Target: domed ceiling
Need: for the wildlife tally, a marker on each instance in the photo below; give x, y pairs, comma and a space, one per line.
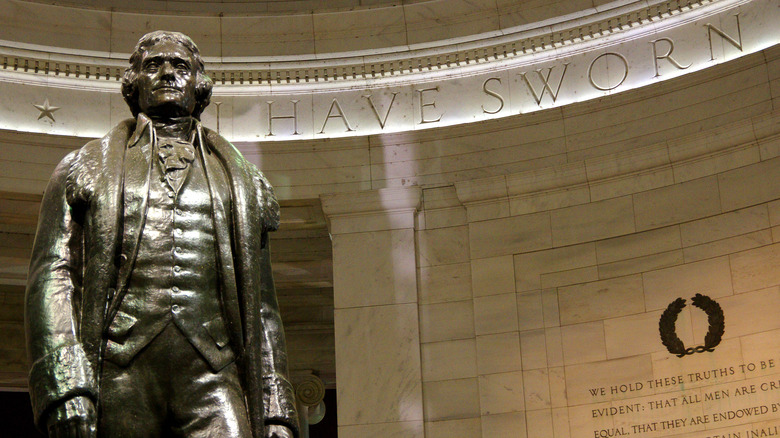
227, 7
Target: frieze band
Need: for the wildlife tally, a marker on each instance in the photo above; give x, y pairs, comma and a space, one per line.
302, 104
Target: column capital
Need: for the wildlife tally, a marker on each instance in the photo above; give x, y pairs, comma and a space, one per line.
372, 210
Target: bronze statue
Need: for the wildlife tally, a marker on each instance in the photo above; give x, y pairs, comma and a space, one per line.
150, 306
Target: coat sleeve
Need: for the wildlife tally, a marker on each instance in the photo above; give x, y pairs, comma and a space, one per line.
59, 366
278, 392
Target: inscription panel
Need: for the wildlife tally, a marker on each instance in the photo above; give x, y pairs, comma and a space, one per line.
732, 392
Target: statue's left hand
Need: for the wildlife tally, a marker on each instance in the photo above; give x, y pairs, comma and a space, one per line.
278, 431
75, 418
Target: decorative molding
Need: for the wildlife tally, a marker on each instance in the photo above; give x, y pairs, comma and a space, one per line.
372, 201
547, 37
624, 46
373, 210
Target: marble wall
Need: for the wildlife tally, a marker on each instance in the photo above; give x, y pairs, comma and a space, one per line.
538, 298
566, 294
508, 278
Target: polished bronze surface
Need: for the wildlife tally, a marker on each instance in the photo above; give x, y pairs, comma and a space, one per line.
150, 307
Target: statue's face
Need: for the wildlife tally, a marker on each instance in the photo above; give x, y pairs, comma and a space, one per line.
167, 80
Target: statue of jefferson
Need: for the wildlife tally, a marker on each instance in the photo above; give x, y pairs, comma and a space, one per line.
150, 307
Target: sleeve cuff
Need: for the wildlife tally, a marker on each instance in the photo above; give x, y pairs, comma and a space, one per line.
58, 376
279, 403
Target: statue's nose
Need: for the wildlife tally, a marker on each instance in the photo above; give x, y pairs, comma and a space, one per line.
166, 69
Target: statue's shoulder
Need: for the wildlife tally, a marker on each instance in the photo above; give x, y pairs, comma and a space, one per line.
85, 166
222, 145
110, 144
233, 159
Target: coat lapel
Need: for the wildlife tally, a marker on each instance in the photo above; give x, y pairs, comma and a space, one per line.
229, 288
246, 215
137, 172
103, 162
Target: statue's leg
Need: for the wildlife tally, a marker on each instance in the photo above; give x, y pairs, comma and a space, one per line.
205, 403
132, 400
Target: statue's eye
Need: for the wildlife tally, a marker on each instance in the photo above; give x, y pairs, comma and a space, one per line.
151, 66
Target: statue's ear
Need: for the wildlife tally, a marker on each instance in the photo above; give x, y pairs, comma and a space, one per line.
202, 94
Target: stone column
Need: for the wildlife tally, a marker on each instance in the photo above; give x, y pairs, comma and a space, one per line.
378, 377
309, 392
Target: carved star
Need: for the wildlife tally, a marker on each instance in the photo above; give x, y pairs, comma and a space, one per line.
46, 110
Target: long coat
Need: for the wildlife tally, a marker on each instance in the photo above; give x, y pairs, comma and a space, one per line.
90, 222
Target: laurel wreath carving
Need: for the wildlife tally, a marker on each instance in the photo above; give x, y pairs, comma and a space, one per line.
715, 317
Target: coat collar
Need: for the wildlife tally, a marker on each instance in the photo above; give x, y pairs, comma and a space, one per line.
145, 133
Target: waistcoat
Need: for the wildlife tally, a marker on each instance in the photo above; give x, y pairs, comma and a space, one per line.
175, 274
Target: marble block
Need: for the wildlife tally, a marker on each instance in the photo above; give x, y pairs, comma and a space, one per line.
583, 343
495, 314
536, 389
379, 348
499, 393
404, 429
465, 428
492, 276
364, 276
498, 353
438, 284
449, 360
593, 221
447, 321
711, 277
510, 424
601, 299
451, 399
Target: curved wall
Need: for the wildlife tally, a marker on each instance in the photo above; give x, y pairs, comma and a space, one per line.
534, 285
508, 277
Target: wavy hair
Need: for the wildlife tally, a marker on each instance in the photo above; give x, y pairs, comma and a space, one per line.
203, 86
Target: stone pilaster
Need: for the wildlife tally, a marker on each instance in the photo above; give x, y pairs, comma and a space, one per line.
378, 374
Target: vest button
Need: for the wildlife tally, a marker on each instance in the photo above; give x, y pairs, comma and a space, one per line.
176, 268
175, 289
175, 308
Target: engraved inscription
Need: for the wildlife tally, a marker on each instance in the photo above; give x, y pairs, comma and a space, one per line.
494, 94
382, 120
608, 87
734, 42
736, 400
338, 115
545, 78
424, 104
293, 116
667, 55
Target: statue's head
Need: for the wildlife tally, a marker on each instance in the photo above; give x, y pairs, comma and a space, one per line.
166, 77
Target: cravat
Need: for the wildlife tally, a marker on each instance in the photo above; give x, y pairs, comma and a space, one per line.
175, 157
